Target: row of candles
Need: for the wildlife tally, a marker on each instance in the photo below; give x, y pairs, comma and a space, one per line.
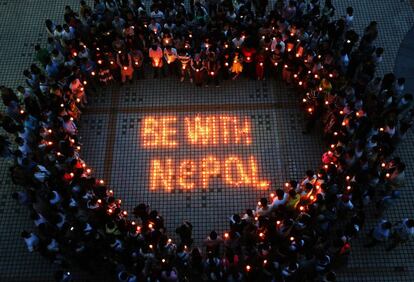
301, 208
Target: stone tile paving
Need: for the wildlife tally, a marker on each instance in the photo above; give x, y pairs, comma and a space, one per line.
276, 122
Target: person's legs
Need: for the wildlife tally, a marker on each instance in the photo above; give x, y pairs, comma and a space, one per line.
395, 241
156, 72
123, 77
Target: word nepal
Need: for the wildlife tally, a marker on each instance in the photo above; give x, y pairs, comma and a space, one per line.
201, 131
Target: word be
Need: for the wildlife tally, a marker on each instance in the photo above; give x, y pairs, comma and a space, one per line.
190, 174
209, 130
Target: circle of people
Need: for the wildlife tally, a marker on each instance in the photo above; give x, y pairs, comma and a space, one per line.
302, 231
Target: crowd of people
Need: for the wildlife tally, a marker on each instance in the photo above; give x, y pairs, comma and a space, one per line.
302, 231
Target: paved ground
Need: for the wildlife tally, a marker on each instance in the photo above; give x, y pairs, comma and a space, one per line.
113, 143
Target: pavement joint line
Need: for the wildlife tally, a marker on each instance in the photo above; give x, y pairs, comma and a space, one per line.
188, 108
111, 136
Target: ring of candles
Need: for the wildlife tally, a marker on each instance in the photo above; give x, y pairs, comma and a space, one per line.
302, 207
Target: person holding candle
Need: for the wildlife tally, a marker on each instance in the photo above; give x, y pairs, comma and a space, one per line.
249, 56
198, 69
170, 56
260, 65
124, 61
138, 59
185, 69
212, 67
236, 66
156, 55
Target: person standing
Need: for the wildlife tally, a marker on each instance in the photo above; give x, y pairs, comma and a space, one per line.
124, 61
156, 55
170, 56
402, 233
381, 233
185, 61
213, 67
198, 70
185, 232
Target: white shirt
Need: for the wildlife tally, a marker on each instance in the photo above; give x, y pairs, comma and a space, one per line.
31, 242
55, 199
70, 127
276, 202
40, 220
237, 42
158, 16
170, 57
